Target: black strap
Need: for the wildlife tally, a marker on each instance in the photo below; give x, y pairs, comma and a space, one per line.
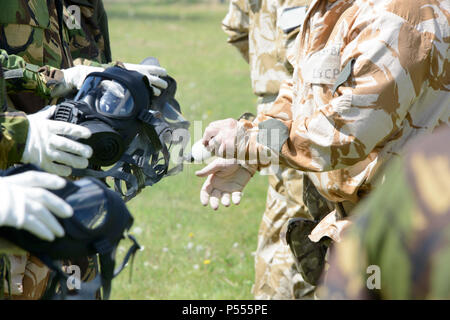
3, 92
344, 75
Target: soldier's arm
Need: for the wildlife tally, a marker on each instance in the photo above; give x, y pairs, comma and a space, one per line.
13, 136
236, 26
22, 76
371, 105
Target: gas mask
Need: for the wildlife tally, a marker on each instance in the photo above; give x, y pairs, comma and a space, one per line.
132, 130
100, 221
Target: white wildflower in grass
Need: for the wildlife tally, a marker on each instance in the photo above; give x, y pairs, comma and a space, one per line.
189, 246
146, 264
235, 245
196, 266
199, 248
165, 249
178, 225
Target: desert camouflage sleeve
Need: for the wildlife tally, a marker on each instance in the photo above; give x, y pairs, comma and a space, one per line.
390, 67
236, 26
13, 136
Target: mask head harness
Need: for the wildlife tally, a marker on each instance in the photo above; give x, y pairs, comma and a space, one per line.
132, 130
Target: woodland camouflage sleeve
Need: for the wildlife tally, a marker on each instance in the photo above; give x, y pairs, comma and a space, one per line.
13, 136
372, 102
22, 76
398, 246
236, 26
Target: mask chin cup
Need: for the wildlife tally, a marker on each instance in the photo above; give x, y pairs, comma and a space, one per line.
108, 145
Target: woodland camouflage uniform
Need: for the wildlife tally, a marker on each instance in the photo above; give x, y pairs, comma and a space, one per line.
255, 29
35, 42
368, 77
403, 228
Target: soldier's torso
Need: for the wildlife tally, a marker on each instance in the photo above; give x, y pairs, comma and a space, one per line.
89, 40
321, 53
33, 30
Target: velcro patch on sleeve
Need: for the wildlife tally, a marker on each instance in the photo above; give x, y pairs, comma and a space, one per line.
273, 134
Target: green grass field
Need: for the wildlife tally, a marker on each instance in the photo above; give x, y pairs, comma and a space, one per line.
191, 252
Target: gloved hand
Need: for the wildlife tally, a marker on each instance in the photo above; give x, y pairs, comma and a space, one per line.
152, 73
48, 149
73, 79
26, 204
225, 182
220, 137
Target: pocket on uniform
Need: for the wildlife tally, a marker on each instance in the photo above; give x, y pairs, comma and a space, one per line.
323, 66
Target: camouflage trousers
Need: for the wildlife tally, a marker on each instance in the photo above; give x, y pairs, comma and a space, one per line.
276, 275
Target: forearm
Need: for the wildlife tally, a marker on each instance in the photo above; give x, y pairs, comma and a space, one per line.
22, 76
13, 137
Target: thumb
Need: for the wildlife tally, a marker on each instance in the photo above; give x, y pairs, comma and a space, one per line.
209, 169
45, 113
37, 179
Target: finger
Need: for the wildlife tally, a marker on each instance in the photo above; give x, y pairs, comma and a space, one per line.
157, 82
45, 217
59, 169
68, 159
236, 197
226, 199
55, 204
33, 225
39, 179
156, 91
206, 191
68, 145
214, 199
210, 132
155, 70
47, 112
69, 129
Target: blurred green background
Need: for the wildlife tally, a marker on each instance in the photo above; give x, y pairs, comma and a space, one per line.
191, 252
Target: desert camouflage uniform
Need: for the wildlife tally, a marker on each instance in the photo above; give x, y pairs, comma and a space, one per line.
36, 41
403, 228
368, 77
255, 29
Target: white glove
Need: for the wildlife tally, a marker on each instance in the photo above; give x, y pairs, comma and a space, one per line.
45, 144
26, 204
74, 77
152, 73
225, 182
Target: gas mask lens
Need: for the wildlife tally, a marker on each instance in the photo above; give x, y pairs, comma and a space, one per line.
109, 97
116, 100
